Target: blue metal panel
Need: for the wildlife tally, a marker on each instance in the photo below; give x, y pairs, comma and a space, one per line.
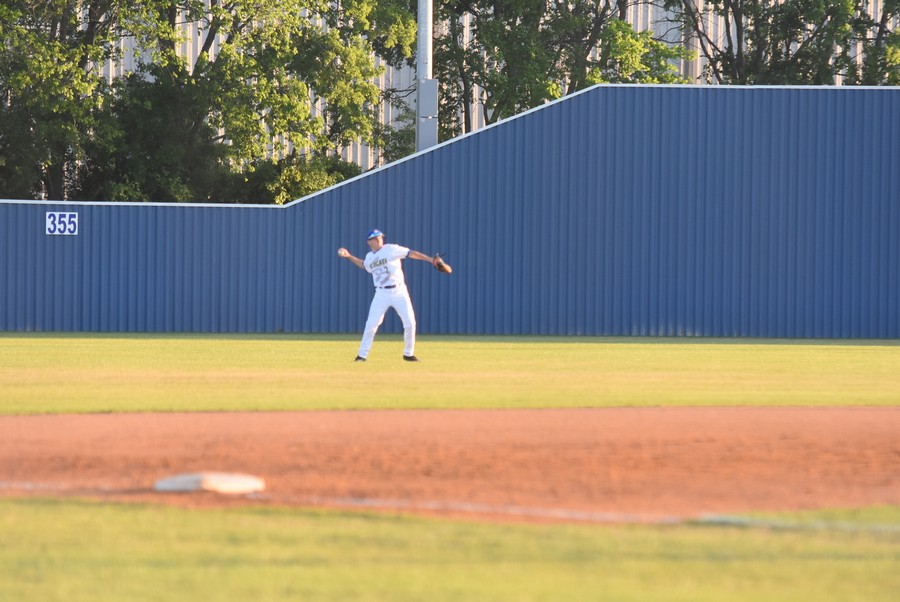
698, 211
623, 210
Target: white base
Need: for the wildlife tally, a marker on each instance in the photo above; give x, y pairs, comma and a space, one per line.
220, 482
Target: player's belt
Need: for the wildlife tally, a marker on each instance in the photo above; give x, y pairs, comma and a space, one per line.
391, 286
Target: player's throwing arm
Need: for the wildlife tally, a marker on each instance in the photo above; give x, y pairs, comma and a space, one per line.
344, 253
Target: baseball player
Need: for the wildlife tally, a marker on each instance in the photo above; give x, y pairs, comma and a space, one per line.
383, 262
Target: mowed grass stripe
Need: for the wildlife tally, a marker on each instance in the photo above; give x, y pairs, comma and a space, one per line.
93, 552
131, 373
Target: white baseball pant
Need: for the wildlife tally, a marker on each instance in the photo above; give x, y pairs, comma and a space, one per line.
386, 298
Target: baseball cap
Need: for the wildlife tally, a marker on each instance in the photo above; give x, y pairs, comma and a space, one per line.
374, 234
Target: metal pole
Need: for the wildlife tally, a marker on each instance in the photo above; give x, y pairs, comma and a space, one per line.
426, 87
424, 40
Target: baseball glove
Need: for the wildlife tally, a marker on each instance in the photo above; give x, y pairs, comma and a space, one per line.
441, 265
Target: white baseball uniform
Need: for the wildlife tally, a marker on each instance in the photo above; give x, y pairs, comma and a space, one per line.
390, 291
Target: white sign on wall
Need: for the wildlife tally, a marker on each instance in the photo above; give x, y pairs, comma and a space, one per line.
61, 224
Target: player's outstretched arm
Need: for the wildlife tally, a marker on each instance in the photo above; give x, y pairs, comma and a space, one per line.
436, 261
342, 252
420, 256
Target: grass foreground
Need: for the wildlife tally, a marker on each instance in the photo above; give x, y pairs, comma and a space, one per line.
74, 551
78, 551
44, 373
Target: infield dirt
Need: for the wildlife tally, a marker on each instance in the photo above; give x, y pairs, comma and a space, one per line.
624, 464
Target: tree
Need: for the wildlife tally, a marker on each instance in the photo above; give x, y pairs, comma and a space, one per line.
519, 54
626, 56
800, 42
50, 90
881, 48
152, 144
272, 77
277, 77
303, 175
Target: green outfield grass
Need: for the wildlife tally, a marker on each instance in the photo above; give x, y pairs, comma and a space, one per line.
127, 373
71, 551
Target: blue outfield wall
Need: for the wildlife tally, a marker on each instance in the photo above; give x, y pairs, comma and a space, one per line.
621, 210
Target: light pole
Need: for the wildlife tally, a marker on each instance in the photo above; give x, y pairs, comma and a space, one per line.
426, 87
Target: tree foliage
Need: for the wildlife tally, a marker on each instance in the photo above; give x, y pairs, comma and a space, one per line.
271, 78
799, 42
881, 47
153, 144
49, 93
521, 53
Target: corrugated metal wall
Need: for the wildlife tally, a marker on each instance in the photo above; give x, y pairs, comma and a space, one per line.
623, 210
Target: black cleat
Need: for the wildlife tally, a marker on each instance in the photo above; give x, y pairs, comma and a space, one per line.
359, 359
410, 358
